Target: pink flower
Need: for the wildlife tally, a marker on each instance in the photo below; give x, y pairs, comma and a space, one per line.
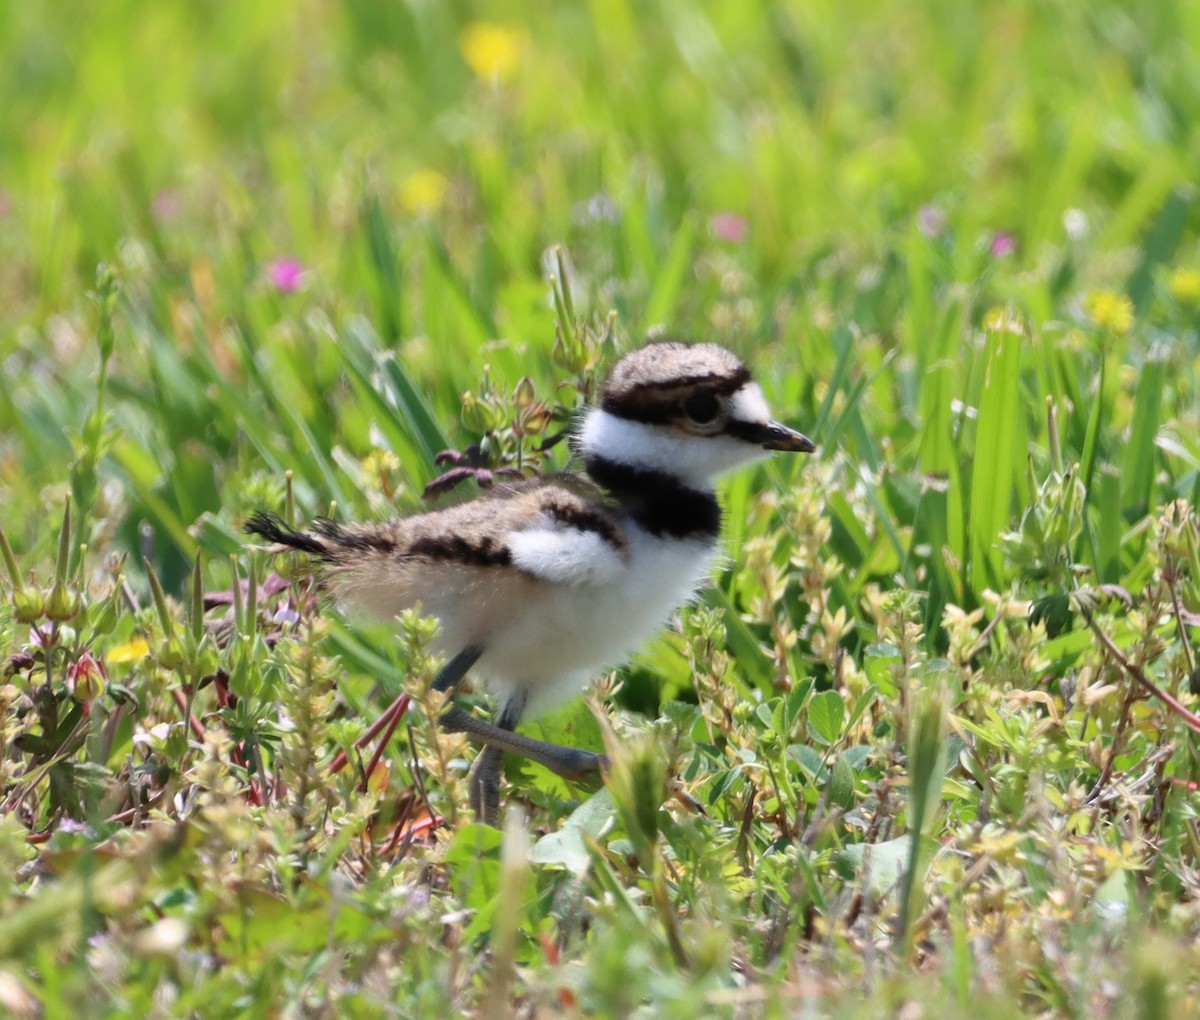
1003, 243
730, 227
42, 636
166, 205
287, 275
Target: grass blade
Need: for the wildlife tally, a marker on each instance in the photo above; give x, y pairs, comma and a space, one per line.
1141, 454
996, 455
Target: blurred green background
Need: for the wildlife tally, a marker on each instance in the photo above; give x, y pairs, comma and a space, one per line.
418, 160
760, 174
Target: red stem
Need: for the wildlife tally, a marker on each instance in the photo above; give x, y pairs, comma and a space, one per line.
1190, 719
397, 707
181, 701
394, 714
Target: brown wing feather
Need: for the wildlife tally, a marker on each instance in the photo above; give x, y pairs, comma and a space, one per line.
442, 555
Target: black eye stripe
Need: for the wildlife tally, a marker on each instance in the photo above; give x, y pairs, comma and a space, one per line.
749, 431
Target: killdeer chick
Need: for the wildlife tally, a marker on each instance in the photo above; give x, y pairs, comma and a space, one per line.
540, 583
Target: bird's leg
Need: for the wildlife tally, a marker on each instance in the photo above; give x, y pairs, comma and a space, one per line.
454, 670
499, 739
568, 762
485, 776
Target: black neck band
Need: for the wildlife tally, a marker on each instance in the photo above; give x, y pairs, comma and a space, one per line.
659, 502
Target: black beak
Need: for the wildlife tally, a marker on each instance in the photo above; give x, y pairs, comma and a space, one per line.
771, 436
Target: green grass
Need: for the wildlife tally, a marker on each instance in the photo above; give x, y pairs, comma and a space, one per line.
936, 707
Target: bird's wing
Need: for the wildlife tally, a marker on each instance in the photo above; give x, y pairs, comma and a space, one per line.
546, 529
568, 538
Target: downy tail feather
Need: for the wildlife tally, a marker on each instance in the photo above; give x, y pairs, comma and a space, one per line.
272, 527
332, 542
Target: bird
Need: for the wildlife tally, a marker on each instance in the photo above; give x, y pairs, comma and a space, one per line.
539, 584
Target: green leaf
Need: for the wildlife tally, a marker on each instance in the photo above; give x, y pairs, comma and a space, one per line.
888, 862
569, 845
841, 783
399, 408
825, 713
473, 860
879, 662
809, 759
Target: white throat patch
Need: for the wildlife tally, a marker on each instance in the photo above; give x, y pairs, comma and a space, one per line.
694, 460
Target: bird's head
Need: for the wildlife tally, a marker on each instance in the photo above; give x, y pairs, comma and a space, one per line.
690, 410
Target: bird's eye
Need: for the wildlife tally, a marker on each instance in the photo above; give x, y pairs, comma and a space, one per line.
701, 408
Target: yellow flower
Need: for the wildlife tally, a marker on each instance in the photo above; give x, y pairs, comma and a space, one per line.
1003, 320
379, 462
1110, 311
1185, 286
422, 192
492, 51
128, 652
379, 468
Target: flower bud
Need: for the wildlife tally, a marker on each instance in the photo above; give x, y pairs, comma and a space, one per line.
536, 420
28, 605
524, 394
569, 353
474, 414
61, 603
86, 678
103, 617
170, 653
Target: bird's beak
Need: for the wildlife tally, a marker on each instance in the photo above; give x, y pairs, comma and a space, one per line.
770, 435
775, 436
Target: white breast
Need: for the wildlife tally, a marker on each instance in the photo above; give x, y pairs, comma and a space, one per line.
562, 634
